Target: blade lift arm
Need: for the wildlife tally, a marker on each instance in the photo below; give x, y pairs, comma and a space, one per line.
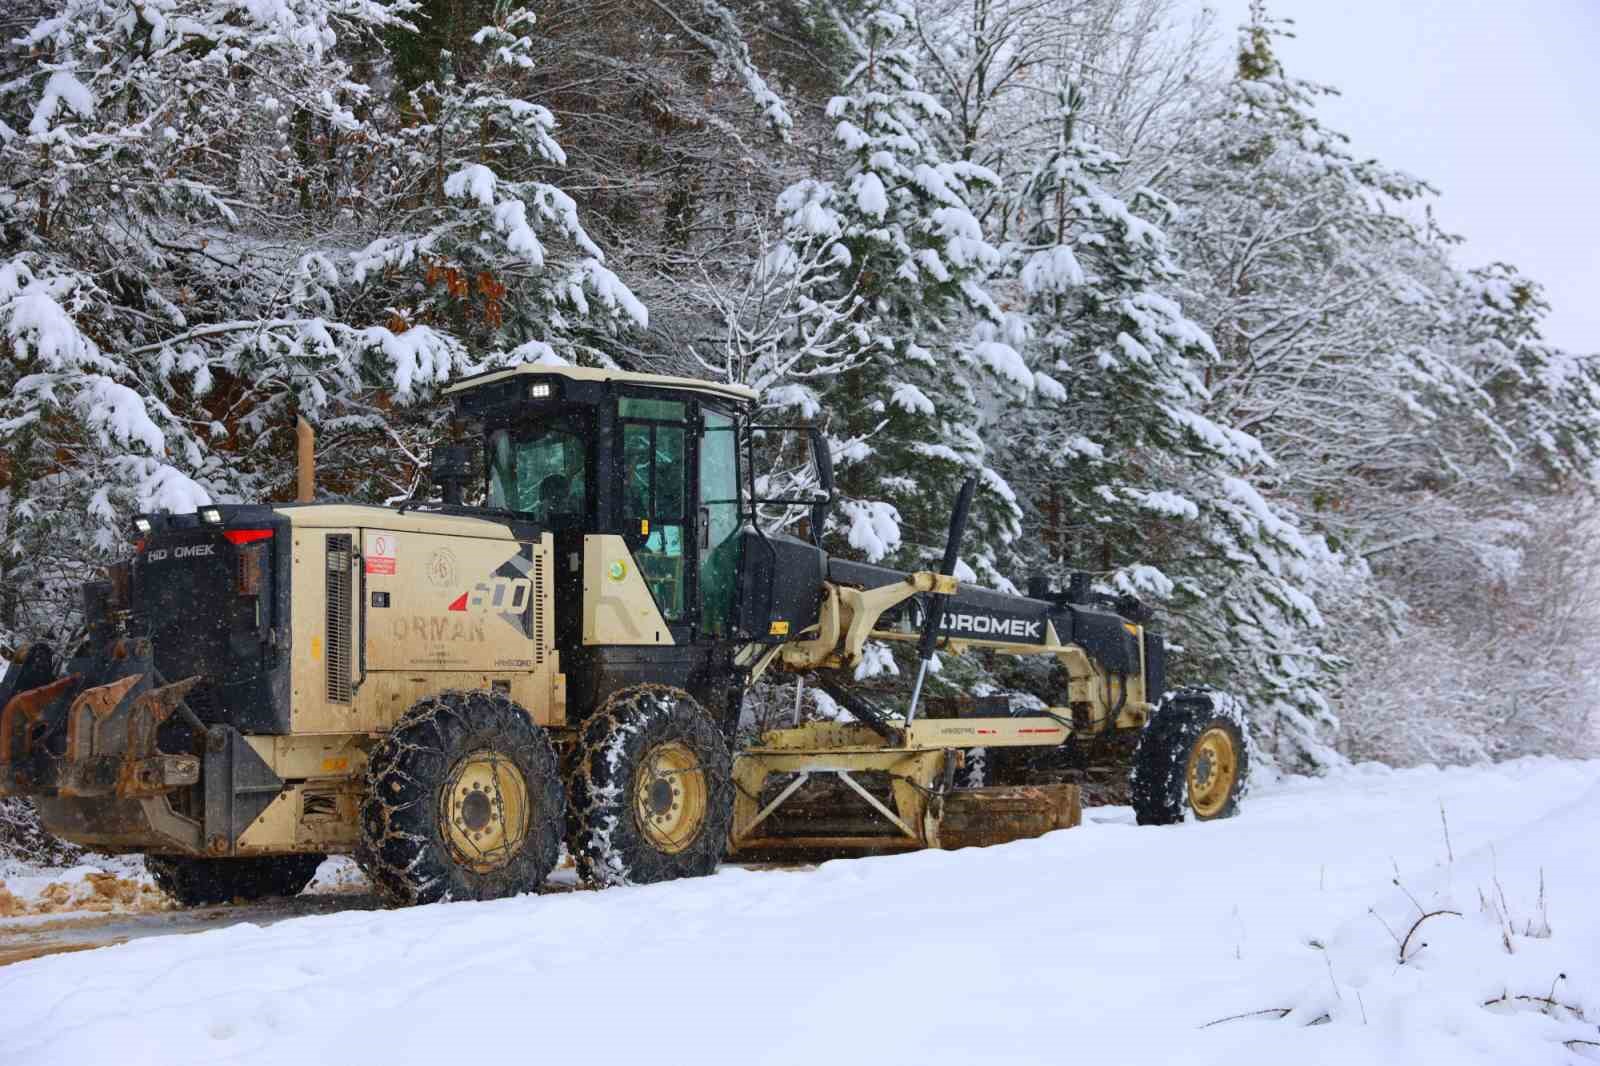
930, 625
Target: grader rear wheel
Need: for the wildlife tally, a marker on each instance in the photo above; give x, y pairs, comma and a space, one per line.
670, 799
463, 802
651, 790
1191, 760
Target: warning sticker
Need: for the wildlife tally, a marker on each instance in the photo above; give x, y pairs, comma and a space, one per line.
381, 551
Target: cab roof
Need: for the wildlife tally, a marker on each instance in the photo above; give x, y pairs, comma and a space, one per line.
585, 373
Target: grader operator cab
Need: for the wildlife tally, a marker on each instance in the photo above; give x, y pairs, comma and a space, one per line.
557, 651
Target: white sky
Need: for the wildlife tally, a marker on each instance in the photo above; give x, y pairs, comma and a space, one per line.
1495, 103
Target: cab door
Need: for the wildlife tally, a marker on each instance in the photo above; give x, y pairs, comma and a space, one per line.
680, 510
717, 525
656, 490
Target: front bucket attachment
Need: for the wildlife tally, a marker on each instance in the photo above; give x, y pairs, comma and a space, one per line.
84, 747
91, 731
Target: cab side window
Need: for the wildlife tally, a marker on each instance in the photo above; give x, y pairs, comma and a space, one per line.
542, 473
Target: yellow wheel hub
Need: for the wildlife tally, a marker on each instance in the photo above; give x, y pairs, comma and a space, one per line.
484, 810
669, 796
1213, 766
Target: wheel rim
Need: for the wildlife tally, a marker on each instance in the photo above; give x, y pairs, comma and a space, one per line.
1213, 766
669, 796
484, 810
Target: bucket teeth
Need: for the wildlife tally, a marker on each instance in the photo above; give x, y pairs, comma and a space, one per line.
88, 715
23, 710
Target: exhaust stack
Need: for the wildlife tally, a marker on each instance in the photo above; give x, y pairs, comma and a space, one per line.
306, 461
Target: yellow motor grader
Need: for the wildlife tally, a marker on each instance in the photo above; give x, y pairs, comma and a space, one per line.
449, 690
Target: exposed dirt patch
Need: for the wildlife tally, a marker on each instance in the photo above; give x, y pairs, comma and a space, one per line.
35, 949
104, 910
80, 927
95, 893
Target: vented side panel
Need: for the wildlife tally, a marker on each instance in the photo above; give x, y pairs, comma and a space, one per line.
541, 604
339, 606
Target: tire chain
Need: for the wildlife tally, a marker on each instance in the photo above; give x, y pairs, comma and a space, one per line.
402, 848
602, 834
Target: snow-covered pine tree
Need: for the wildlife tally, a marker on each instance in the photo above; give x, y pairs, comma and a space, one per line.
1545, 399
138, 146
1342, 329
210, 227
478, 241
904, 420
1123, 473
481, 241
1330, 309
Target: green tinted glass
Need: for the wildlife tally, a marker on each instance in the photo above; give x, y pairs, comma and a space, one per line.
719, 511
669, 473
542, 474
653, 459
636, 462
663, 410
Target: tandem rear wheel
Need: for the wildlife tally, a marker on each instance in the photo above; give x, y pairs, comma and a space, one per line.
651, 789
463, 801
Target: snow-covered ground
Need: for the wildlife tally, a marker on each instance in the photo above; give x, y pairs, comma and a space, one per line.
1273, 938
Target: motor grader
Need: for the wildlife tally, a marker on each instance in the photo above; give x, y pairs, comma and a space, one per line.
556, 650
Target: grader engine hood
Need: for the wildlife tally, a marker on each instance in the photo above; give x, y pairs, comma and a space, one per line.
390, 605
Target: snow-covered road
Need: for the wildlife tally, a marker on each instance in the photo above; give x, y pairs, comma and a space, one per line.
1109, 943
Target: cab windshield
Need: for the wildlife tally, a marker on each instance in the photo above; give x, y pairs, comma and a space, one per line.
541, 471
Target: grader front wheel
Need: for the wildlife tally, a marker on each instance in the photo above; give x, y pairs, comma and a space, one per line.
1191, 761
651, 790
463, 802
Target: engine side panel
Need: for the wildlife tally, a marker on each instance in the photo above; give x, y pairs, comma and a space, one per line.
386, 616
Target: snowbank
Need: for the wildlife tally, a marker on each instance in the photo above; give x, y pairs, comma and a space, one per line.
1109, 943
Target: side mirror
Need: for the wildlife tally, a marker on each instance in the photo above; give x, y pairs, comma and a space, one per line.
824, 460
452, 469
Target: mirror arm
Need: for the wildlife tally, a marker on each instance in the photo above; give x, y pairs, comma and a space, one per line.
823, 458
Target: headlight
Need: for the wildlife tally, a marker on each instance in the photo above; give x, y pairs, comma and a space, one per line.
539, 391
142, 525
211, 516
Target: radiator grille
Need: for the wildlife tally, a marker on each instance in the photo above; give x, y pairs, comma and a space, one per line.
339, 605
541, 604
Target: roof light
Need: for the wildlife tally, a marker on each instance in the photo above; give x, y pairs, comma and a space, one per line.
539, 391
142, 524
211, 516
246, 536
